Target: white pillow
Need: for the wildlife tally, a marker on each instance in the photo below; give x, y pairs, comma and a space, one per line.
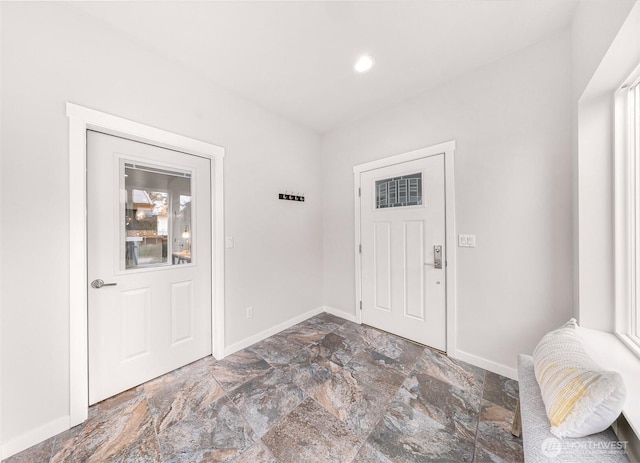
580, 397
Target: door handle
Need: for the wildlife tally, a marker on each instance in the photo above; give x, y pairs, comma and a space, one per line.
97, 284
437, 257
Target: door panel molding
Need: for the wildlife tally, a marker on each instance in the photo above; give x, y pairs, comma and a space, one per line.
181, 310
382, 263
448, 149
135, 323
413, 259
82, 119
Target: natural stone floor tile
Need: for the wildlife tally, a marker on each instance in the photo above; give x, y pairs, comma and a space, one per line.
267, 399
378, 368
455, 372
368, 454
327, 321
311, 434
454, 408
494, 433
500, 390
397, 352
405, 435
310, 371
184, 393
344, 397
482, 455
358, 336
277, 350
238, 368
335, 348
257, 453
325, 390
355, 397
144, 451
119, 428
38, 453
305, 333
205, 456
342, 345
311, 330
219, 431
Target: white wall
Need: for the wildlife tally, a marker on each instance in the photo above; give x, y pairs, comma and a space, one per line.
594, 28
0, 239
511, 123
53, 53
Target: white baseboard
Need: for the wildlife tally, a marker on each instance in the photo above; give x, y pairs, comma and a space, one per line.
246, 342
490, 365
37, 435
340, 313
235, 347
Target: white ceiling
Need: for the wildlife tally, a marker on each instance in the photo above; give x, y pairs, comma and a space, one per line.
296, 58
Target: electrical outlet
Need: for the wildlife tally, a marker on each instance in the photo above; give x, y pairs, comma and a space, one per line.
249, 312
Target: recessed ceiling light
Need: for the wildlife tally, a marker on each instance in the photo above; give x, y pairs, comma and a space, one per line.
364, 63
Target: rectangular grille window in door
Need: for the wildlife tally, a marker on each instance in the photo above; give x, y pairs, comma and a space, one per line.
149, 261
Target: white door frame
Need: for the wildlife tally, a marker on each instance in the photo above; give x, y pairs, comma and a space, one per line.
80, 120
448, 149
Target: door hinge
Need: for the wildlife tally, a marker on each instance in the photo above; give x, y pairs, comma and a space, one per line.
360, 248
359, 192
360, 305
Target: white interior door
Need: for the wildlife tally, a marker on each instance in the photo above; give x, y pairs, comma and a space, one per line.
149, 262
403, 250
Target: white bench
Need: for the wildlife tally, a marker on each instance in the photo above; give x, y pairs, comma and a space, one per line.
542, 446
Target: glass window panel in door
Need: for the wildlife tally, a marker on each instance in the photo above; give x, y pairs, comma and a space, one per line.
156, 216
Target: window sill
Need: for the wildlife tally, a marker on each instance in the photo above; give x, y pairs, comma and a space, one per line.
631, 345
612, 353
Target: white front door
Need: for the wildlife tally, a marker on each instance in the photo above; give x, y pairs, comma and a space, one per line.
403, 250
149, 262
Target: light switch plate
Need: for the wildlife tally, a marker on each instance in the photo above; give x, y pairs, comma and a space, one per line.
228, 242
467, 241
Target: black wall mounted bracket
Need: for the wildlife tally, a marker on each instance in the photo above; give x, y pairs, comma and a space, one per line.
290, 197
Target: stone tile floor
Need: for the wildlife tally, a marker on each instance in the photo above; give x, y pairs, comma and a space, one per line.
325, 390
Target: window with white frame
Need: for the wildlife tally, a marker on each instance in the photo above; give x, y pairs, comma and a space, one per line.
627, 184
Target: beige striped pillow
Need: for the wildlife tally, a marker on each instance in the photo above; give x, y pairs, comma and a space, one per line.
580, 397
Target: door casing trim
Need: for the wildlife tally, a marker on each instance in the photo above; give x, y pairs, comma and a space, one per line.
80, 120
448, 149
